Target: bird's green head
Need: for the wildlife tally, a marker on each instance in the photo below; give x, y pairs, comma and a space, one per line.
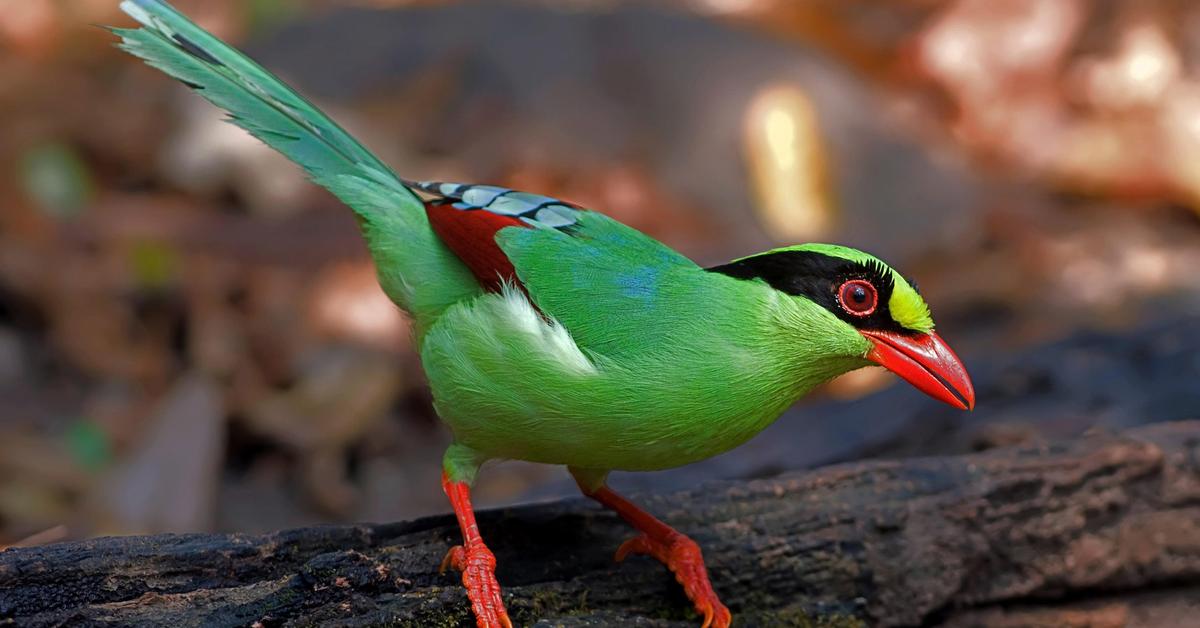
874, 308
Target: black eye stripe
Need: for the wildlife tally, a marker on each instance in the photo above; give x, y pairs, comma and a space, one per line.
819, 278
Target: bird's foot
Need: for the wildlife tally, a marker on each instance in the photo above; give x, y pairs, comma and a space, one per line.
478, 567
682, 556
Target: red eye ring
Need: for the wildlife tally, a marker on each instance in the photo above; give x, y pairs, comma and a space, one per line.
858, 297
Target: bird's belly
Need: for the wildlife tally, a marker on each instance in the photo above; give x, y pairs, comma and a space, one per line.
512, 385
662, 434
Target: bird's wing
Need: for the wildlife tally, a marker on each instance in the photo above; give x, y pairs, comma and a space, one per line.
544, 210
612, 287
417, 271
467, 217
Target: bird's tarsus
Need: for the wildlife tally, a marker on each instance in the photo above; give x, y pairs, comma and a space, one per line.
475, 561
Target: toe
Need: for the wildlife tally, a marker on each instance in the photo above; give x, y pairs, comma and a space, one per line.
478, 567
486, 601
682, 556
454, 558
636, 546
723, 617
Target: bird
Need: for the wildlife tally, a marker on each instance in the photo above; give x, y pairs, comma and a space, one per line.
554, 334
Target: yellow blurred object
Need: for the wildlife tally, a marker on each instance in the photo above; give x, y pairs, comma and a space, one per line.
789, 171
1181, 130
734, 7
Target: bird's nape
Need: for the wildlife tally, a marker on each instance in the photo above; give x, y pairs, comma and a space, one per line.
926, 362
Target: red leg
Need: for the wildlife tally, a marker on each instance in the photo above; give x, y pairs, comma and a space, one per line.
475, 561
679, 553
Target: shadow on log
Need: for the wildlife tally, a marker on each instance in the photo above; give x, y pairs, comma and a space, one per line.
1104, 531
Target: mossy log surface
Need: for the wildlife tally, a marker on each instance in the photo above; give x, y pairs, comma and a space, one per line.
1102, 531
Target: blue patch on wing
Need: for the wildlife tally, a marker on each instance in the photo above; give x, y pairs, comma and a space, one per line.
535, 209
641, 283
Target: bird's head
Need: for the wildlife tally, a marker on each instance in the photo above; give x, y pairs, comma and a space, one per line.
876, 314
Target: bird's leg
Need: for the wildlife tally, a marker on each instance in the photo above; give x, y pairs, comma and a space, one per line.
672, 548
474, 560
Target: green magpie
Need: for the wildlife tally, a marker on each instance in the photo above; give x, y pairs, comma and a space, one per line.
555, 334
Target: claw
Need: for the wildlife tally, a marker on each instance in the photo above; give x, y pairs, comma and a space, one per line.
637, 545
682, 556
453, 557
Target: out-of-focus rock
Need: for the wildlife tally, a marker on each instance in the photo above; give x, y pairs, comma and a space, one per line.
339, 395
168, 483
12, 360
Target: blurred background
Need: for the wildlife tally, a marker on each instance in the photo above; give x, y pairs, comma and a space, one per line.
191, 337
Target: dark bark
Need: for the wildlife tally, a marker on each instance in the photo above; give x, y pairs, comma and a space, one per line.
1104, 530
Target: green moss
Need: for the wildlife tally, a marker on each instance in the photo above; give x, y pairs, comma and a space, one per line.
544, 601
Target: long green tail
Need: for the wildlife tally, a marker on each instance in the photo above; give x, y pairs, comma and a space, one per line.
415, 269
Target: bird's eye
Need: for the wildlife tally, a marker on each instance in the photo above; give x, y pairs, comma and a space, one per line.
858, 297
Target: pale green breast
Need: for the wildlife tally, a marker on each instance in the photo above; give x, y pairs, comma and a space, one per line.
513, 386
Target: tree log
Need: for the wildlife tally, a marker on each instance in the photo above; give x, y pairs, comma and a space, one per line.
1100, 531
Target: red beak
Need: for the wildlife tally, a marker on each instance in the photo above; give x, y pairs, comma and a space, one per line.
925, 361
